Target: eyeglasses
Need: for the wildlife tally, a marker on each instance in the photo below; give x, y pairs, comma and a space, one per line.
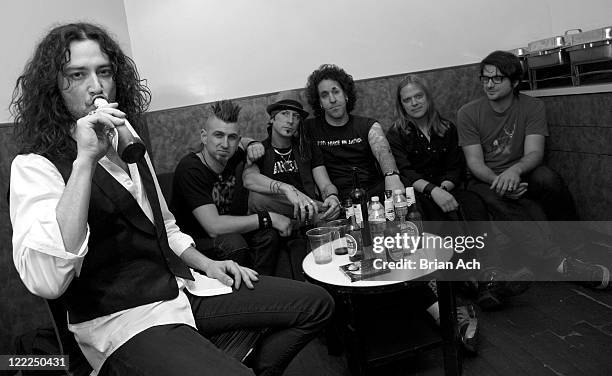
291, 115
495, 79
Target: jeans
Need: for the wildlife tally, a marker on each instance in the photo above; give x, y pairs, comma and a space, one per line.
293, 312
525, 220
471, 218
294, 248
257, 249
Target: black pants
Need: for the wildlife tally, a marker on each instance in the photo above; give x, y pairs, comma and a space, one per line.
525, 220
292, 311
257, 249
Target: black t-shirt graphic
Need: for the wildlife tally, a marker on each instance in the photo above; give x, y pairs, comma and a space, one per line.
196, 185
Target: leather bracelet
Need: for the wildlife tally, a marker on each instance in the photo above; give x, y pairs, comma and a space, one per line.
249, 144
332, 194
265, 221
428, 188
391, 173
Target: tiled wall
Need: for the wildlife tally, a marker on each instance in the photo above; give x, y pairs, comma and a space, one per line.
581, 132
580, 145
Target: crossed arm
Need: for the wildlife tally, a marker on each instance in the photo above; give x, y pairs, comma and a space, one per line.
255, 181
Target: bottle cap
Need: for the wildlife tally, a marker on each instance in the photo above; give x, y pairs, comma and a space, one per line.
99, 102
375, 199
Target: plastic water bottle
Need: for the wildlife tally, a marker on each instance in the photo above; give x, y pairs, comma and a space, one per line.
377, 222
400, 205
406, 230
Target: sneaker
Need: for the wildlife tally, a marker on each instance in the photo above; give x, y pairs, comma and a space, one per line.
593, 275
496, 284
467, 323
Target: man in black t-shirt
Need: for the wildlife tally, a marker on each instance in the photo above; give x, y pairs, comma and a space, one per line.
284, 180
345, 140
204, 188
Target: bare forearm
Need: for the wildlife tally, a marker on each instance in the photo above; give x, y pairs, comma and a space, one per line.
230, 224
323, 181
528, 162
482, 172
258, 182
420, 185
381, 149
448, 184
195, 259
73, 207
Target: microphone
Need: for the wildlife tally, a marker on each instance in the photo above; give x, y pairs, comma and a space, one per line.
130, 148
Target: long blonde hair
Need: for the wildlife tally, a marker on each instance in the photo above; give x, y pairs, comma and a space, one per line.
437, 124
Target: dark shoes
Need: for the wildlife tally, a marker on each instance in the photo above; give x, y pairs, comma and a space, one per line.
467, 323
593, 275
496, 284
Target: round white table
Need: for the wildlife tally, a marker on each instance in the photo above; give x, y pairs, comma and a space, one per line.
359, 346
330, 273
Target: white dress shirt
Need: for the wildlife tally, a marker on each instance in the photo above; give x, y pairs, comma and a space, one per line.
47, 269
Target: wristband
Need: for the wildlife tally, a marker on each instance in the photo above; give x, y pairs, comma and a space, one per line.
428, 188
265, 221
391, 173
249, 144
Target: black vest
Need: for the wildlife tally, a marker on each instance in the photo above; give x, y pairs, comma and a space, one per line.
129, 262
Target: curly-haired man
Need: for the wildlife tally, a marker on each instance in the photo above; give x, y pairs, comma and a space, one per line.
95, 231
347, 140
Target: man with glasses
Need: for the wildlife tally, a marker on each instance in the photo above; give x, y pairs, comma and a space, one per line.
503, 136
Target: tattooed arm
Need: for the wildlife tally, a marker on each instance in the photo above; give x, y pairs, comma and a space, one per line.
382, 152
255, 181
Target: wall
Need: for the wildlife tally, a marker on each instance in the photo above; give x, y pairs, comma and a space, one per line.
198, 51
580, 149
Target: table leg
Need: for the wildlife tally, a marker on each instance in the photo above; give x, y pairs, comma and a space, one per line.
448, 325
354, 342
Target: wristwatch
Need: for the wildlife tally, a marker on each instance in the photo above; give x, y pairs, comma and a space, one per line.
391, 173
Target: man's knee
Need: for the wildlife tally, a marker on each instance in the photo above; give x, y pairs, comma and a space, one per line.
265, 236
545, 179
226, 247
320, 301
472, 205
484, 192
230, 243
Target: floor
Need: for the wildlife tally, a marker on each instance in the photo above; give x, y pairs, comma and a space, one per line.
553, 329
